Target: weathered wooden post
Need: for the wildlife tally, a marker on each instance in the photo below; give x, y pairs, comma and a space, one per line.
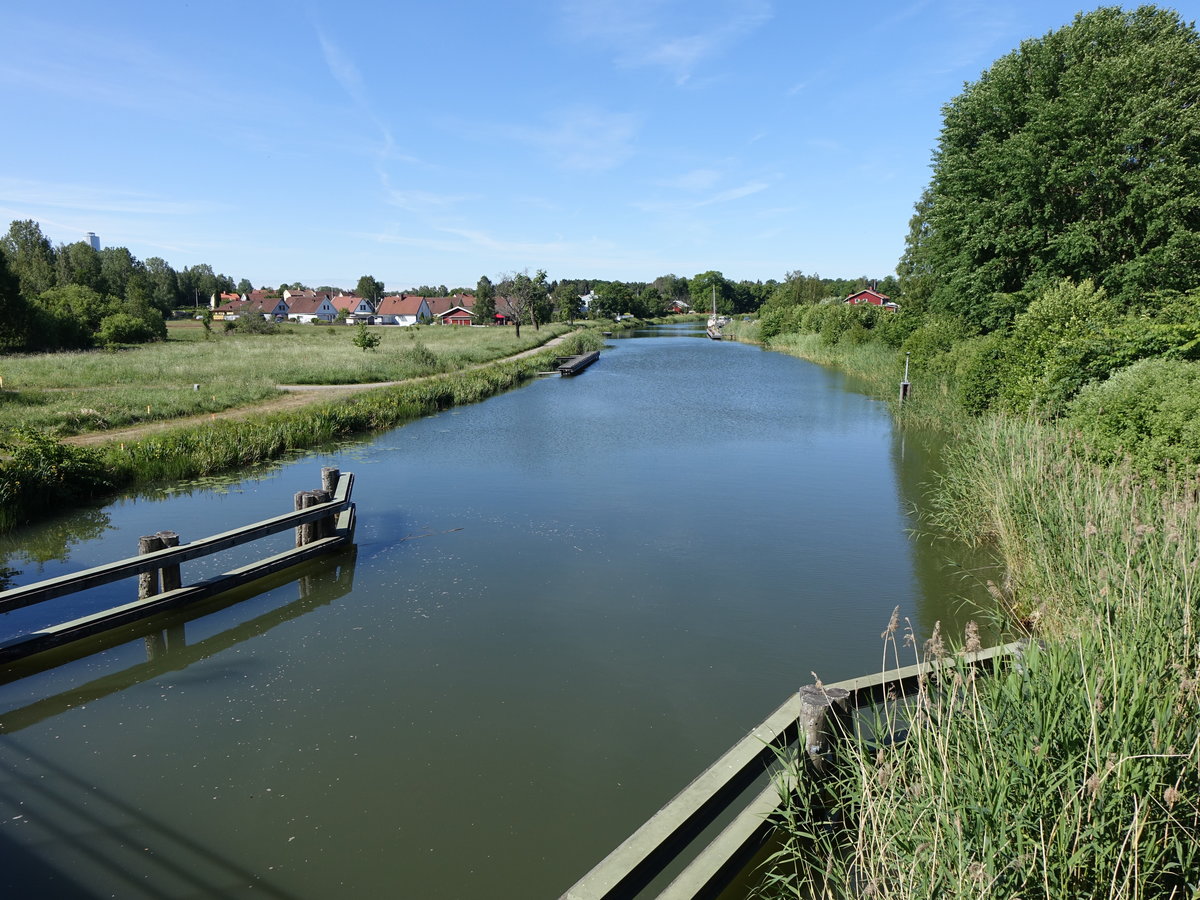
329, 482
822, 714
169, 577
150, 585
304, 533
148, 582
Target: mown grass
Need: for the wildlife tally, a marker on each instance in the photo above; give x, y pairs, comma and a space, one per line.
70, 393
41, 474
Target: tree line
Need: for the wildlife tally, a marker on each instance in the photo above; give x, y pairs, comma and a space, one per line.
74, 296
1052, 267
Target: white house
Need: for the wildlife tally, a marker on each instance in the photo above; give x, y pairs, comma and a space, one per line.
402, 310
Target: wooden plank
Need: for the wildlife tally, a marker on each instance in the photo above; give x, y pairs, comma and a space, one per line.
87, 626
28, 595
178, 657
730, 851
643, 855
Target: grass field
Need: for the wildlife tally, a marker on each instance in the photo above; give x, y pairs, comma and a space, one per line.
72, 393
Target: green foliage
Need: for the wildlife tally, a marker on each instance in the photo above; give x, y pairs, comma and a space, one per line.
123, 328
364, 339
30, 257
1149, 412
370, 288
16, 317
251, 323
1072, 157
40, 473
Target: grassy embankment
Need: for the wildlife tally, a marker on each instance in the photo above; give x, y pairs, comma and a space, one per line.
1077, 774
42, 473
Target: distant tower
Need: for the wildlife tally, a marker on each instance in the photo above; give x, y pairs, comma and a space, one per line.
94, 240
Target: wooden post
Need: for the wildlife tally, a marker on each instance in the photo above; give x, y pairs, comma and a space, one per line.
304, 533
169, 577
905, 386
329, 478
329, 483
322, 528
148, 583
821, 710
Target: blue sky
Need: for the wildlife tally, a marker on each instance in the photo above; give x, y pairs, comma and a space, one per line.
432, 143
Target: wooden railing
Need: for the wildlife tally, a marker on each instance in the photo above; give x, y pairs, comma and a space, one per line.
323, 522
667, 837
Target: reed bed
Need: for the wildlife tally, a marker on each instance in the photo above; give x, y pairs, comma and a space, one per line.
1075, 773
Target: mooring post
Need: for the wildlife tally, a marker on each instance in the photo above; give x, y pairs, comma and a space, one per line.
304, 533
322, 528
329, 478
329, 482
822, 711
169, 577
905, 387
148, 582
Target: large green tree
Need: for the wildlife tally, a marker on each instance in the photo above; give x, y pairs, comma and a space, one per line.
370, 288
30, 257
484, 310
78, 263
15, 315
1075, 156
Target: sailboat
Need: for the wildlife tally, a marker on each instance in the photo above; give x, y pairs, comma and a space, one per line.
714, 321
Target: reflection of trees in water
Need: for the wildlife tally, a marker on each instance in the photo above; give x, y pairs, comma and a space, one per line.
50, 540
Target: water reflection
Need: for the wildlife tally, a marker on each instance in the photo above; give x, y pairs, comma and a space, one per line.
166, 642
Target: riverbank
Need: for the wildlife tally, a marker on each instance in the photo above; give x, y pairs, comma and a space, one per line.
41, 473
1077, 774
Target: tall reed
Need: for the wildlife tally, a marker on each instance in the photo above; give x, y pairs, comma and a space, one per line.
1076, 773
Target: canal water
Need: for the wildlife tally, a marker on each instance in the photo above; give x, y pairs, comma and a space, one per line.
565, 602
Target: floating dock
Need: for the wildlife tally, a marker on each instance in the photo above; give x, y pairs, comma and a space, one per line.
573, 365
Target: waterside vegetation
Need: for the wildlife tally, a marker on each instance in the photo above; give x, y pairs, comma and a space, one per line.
1049, 318
40, 472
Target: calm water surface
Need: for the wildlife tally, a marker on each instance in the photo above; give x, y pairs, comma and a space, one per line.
566, 602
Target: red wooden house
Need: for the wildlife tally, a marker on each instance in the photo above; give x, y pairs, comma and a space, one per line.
866, 295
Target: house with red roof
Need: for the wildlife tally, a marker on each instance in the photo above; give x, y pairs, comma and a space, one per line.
455, 310
358, 309
874, 298
310, 309
402, 309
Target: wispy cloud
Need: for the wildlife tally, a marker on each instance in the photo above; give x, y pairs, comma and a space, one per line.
93, 198
695, 180
672, 35
583, 139
726, 196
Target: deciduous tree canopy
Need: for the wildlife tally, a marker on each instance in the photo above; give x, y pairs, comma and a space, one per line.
1075, 156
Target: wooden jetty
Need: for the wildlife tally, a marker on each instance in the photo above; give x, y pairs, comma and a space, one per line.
323, 521
665, 841
573, 365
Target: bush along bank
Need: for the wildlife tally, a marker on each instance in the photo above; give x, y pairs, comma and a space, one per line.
1077, 772
40, 475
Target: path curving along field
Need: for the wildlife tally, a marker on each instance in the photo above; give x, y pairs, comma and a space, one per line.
293, 396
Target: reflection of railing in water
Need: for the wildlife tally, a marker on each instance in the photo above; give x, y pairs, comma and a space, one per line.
664, 841
323, 521
167, 649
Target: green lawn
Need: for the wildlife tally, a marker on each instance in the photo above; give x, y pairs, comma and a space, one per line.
71, 393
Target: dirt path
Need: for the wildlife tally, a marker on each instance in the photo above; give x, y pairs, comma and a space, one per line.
294, 397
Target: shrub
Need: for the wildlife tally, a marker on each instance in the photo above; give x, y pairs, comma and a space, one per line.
980, 367
123, 328
1149, 412
41, 473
